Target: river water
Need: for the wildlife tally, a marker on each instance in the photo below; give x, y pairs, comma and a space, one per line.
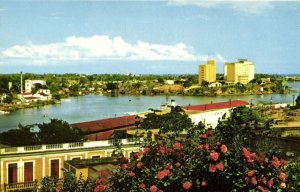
92, 107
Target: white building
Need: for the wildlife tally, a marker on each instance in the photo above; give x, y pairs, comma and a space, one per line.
29, 84
210, 114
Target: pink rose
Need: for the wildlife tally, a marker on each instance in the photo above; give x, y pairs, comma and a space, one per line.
162, 174
212, 168
251, 173
178, 146
220, 166
153, 188
214, 155
186, 185
139, 165
131, 174
203, 183
223, 148
253, 181
142, 186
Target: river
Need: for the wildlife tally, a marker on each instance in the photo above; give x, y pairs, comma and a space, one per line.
92, 107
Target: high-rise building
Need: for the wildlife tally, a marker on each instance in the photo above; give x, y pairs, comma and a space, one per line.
207, 72
241, 71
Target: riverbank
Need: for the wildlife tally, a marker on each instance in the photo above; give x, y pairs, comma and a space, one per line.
14, 107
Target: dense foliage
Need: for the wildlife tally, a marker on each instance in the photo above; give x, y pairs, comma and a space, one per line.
55, 131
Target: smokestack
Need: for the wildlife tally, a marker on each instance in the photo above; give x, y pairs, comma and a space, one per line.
21, 83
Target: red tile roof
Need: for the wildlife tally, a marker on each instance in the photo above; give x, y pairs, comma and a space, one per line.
107, 124
215, 106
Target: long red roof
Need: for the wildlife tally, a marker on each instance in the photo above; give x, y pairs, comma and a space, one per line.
215, 106
107, 124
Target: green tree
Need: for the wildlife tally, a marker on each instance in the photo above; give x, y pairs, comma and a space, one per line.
171, 123
298, 101
58, 131
19, 137
204, 83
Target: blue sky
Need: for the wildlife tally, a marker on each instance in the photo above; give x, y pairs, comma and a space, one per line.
147, 37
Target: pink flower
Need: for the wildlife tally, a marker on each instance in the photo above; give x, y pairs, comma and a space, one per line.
139, 165
223, 148
270, 183
210, 132
264, 180
124, 166
131, 174
162, 150
203, 136
275, 162
177, 164
178, 146
246, 152
200, 147
146, 150
253, 181
212, 168
153, 188
214, 155
142, 186
203, 183
282, 176
99, 188
186, 185
251, 173
220, 166
162, 174
206, 147
283, 162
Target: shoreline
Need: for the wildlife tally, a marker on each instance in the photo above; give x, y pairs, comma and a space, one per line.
9, 108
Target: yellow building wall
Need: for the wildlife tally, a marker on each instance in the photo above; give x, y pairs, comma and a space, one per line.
207, 72
230, 72
84, 172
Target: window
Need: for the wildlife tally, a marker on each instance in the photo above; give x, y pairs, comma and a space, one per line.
12, 173
96, 157
28, 171
54, 168
75, 158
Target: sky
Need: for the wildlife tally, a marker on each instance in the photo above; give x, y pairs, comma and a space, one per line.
147, 37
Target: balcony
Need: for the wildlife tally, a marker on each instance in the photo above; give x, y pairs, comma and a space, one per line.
19, 186
65, 146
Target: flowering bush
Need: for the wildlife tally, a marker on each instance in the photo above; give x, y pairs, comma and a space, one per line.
200, 163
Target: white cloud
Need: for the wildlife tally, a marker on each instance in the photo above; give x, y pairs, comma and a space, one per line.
98, 48
245, 6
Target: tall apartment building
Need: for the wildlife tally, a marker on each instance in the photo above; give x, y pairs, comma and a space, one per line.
241, 71
207, 72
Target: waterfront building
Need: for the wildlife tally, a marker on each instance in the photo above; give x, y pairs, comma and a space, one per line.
103, 129
207, 72
21, 166
211, 113
30, 84
241, 71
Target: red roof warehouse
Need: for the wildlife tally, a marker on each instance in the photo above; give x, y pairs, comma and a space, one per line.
104, 128
214, 106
